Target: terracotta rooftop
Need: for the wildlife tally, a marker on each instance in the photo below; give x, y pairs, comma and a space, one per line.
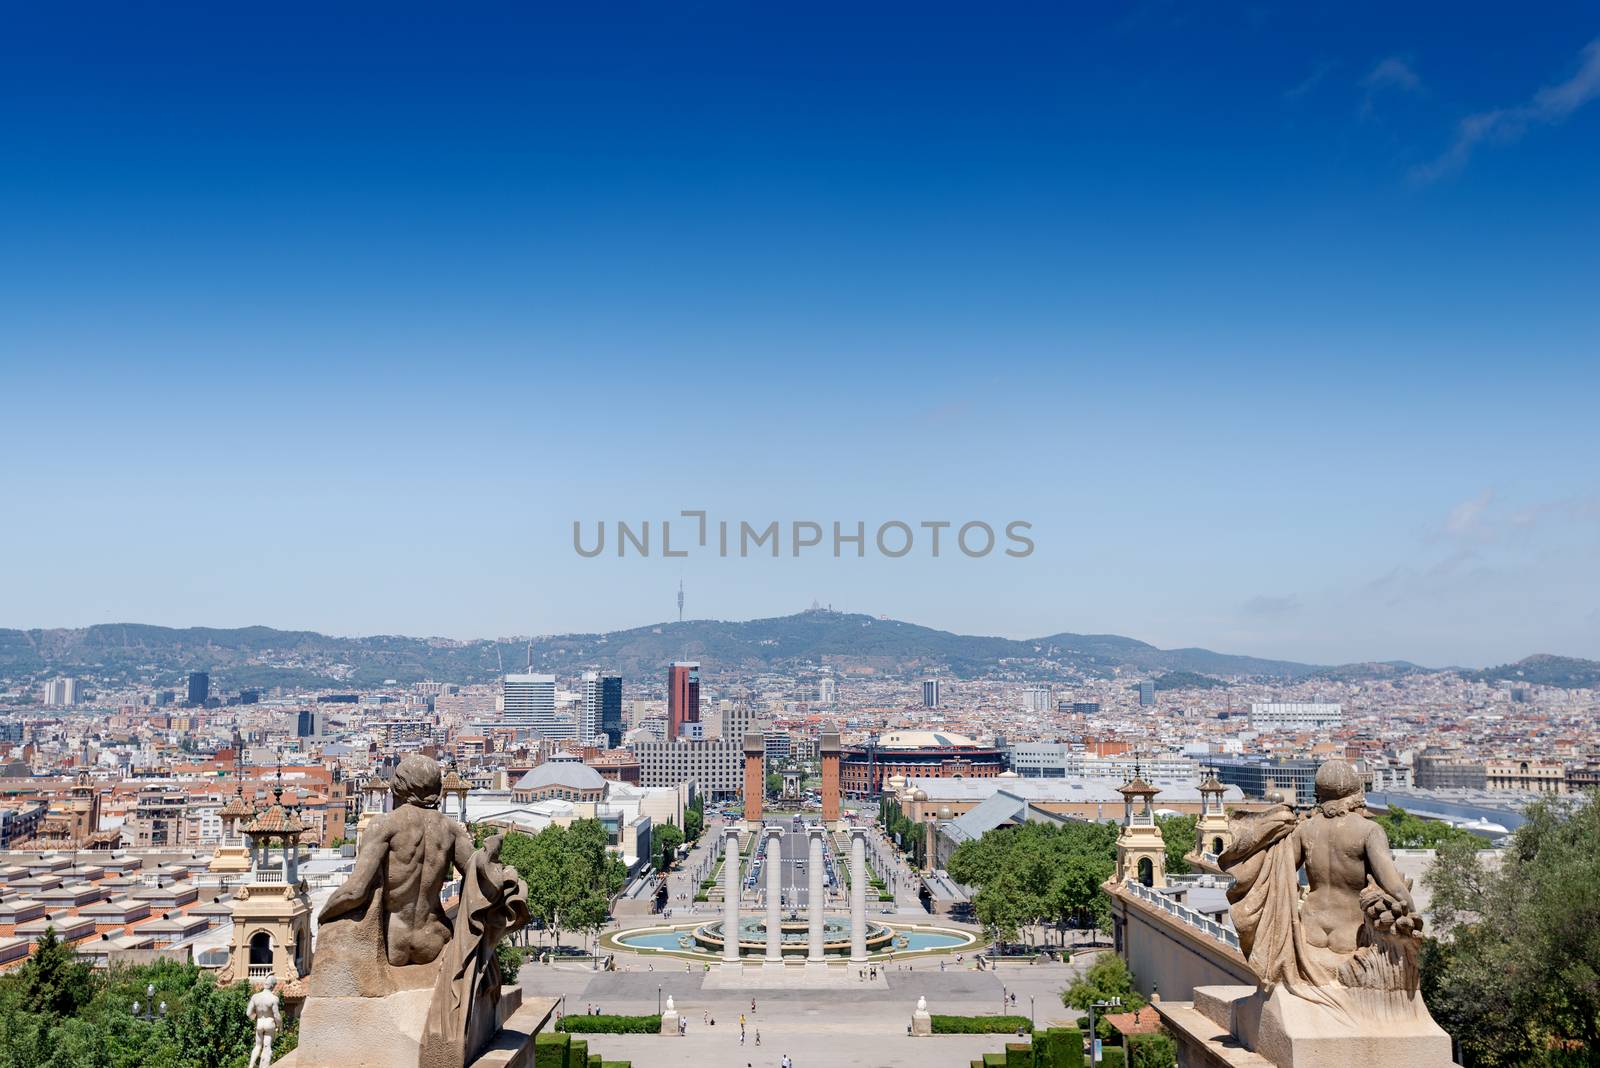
275, 820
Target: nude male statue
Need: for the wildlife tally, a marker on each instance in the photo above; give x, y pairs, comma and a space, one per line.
262, 1010
409, 853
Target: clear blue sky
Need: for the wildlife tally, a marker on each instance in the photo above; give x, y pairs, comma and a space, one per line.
1279, 323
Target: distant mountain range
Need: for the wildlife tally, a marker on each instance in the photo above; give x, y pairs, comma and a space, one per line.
849, 643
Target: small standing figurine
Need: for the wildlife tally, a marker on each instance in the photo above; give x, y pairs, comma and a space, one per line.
263, 1010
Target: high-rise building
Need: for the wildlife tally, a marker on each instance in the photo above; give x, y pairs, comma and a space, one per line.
1086, 708
530, 702
930, 693
1147, 693
683, 700
611, 709
600, 714
199, 688
1036, 698
62, 691
308, 723
827, 691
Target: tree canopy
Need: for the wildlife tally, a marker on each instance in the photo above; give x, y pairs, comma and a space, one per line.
570, 875
1038, 873
1107, 978
1406, 831
56, 1013
1513, 972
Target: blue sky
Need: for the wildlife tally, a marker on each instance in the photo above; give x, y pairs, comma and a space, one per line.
1278, 324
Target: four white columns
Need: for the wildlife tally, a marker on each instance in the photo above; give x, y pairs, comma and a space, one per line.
816, 901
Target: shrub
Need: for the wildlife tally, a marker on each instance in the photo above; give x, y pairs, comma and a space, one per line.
1058, 1047
980, 1025
1019, 1055
610, 1025
885, 897
550, 1050
1111, 1056
1152, 1051
702, 896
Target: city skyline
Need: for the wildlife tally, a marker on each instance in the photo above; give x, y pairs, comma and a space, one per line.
1275, 325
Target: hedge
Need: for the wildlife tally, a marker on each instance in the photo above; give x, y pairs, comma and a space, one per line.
1019, 1055
610, 1025
1111, 1056
1058, 1047
550, 1050
980, 1025
994, 1060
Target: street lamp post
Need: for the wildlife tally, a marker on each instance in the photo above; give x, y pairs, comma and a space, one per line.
658, 999
1031, 1024
149, 1010
1094, 1036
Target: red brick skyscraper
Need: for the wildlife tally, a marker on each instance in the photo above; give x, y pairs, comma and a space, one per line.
683, 697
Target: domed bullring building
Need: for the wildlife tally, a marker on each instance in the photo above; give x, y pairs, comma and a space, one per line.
865, 770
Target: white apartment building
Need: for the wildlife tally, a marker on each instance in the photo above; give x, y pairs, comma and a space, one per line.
529, 701
714, 765
1295, 715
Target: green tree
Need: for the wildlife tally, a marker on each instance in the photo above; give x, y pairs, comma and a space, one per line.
666, 839
1152, 1051
694, 819
54, 982
1107, 978
1406, 831
774, 784
1177, 833
1514, 971
1038, 873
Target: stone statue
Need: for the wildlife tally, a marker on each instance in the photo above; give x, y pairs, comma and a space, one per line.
1339, 959
922, 1003
407, 855
396, 982
262, 1011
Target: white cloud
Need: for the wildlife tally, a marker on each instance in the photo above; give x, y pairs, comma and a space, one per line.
1549, 106
1392, 73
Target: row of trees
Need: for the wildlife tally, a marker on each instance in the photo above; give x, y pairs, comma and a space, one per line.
55, 1012
1038, 873
1513, 969
1051, 874
903, 829
1406, 831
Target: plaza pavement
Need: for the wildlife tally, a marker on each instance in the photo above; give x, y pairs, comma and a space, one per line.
849, 1024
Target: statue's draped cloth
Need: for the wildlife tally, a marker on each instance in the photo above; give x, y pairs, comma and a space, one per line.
461, 1016
1265, 896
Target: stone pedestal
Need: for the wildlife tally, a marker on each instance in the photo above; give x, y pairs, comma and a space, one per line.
669, 1020
1296, 1033
1239, 1027
386, 1032
921, 1020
